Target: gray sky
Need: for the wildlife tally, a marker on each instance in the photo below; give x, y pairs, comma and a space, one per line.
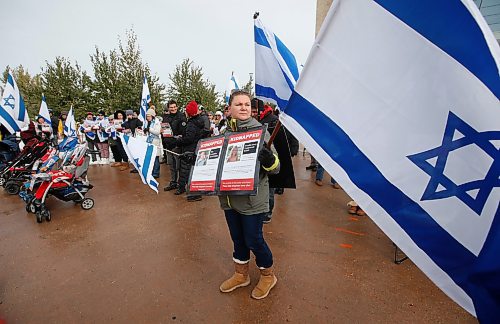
217, 35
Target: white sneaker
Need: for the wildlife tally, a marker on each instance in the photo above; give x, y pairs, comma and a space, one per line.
104, 161
93, 162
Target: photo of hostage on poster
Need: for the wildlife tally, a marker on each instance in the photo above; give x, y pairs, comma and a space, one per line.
203, 177
240, 171
227, 164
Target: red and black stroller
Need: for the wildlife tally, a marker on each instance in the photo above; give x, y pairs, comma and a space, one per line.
18, 171
68, 184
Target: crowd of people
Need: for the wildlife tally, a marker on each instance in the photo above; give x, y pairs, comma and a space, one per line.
176, 133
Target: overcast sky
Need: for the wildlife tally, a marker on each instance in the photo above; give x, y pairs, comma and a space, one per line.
217, 35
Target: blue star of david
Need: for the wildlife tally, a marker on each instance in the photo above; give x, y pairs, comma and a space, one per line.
8, 103
471, 137
144, 103
137, 163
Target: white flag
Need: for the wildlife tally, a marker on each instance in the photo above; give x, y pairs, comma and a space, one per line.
276, 71
145, 100
13, 113
70, 124
44, 111
399, 101
142, 155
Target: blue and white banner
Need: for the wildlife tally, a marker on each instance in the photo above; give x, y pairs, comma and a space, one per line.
145, 100
70, 124
232, 85
44, 111
13, 113
142, 156
399, 101
276, 71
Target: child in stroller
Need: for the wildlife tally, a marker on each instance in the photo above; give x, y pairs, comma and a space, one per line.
68, 184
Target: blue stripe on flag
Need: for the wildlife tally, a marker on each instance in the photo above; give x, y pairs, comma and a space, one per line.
450, 26
478, 276
268, 92
147, 161
9, 120
22, 108
260, 37
288, 58
10, 80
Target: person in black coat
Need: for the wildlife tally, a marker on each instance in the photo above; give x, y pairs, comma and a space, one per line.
187, 143
177, 122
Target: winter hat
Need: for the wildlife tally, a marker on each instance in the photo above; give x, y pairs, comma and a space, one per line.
192, 108
218, 113
101, 112
151, 112
129, 112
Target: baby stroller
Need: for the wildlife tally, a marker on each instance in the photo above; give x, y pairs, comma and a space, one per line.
19, 170
8, 150
68, 184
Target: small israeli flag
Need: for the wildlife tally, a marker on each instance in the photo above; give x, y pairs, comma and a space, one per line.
44, 111
232, 85
70, 124
145, 100
276, 71
13, 113
142, 156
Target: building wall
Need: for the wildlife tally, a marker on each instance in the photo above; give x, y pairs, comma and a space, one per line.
322, 7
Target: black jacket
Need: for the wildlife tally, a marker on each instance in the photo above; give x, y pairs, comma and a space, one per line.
286, 177
178, 124
192, 134
132, 124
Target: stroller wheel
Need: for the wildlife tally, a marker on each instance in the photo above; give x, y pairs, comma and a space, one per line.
46, 215
12, 187
87, 203
2, 181
39, 217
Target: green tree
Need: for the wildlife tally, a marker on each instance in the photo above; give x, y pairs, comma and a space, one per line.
66, 85
119, 76
248, 87
187, 83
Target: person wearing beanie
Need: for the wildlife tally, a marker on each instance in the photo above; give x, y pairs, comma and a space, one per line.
152, 129
187, 143
244, 213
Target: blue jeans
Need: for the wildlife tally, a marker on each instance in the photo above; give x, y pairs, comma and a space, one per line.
246, 233
156, 168
320, 172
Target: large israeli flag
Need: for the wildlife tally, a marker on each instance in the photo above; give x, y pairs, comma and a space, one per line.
44, 111
142, 155
145, 100
276, 71
13, 113
70, 124
233, 84
399, 101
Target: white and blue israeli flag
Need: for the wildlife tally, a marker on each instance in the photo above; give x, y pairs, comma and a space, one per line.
70, 124
399, 101
13, 113
276, 71
145, 100
142, 155
231, 86
44, 111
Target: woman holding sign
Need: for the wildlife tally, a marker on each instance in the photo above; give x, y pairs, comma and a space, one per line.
244, 213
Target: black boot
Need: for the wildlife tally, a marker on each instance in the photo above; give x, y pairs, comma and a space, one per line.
180, 190
171, 186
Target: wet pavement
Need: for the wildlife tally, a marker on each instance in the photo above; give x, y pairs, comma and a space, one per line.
141, 257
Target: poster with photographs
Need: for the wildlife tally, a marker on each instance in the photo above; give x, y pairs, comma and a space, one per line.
239, 173
204, 173
227, 164
166, 130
